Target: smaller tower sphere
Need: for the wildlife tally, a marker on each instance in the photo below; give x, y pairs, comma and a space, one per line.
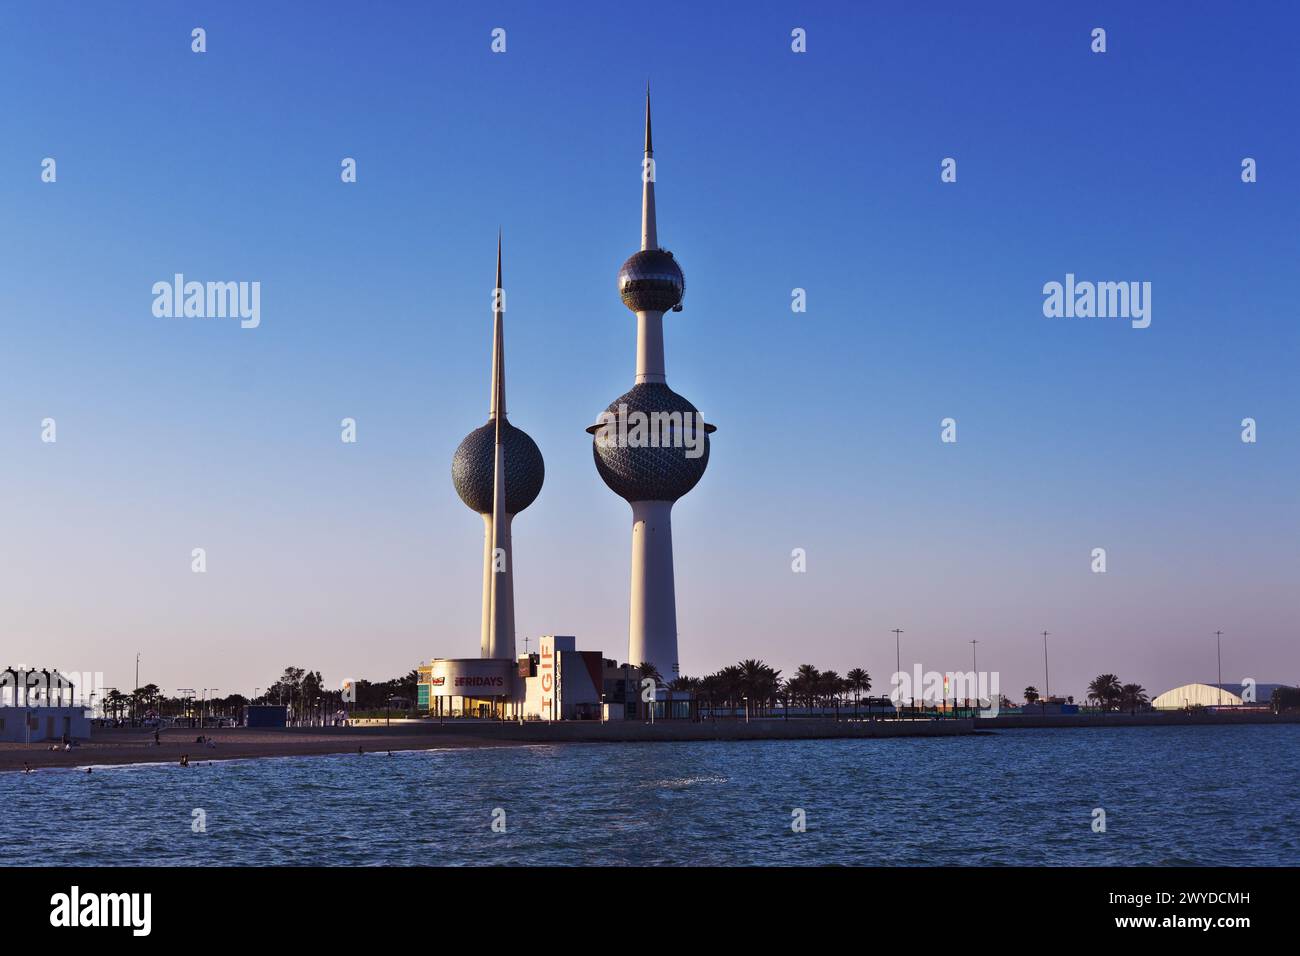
651, 281
473, 468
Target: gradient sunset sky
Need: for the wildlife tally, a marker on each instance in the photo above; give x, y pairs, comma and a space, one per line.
775, 170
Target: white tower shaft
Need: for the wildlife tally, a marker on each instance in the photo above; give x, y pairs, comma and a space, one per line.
650, 348
498, 554
505, 589
652, 633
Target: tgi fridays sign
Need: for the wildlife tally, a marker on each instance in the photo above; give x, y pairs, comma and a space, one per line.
549, 675
471, 677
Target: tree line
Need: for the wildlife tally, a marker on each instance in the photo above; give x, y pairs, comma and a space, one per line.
1106, 693
303, 692
761, 687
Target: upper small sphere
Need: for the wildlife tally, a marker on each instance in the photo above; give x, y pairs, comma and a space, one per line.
473, 468
651, 281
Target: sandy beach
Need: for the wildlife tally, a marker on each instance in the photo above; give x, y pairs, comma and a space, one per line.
126, 746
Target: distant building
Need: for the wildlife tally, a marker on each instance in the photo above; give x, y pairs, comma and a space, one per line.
38, 705
564, 683
555, 682
1050, 705
1215, 695
266, 715
470, 687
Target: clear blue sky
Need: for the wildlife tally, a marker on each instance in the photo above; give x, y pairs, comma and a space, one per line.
775, 171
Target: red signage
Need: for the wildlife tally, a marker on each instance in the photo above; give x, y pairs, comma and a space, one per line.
480, 682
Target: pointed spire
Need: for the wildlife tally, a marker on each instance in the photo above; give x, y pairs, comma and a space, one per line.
649, 231
501, 596
498, 343
649, 145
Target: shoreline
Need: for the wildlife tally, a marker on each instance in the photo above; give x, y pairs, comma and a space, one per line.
120, 747
125, 746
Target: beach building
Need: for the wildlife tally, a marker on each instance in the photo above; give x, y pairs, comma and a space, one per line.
273, 716
556, 682
1050, 705
39, 705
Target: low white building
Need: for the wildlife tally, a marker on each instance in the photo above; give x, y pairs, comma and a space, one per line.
39, 705
1196, 695
34, 724
569, 683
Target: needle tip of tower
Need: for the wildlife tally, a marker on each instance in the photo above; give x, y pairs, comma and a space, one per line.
648, 146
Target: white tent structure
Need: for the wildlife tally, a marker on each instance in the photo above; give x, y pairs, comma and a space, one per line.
1196, 695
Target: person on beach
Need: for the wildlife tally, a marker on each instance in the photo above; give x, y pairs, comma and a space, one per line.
360, 751
157, 741
185, 760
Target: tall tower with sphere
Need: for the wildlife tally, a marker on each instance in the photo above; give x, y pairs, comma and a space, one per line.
498, 472
654, 468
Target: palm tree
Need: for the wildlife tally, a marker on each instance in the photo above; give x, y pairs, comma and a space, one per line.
1031, 694
753, 680
688, 685
113, 702
1105, 689
830, 686
709, 692
733, 685
771, 687
648, 670
859, 682
807, 677
1133, 696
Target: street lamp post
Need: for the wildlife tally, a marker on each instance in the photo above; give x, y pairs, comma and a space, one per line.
203, 712
1047, 679
898, 667
974, 670
1218, 648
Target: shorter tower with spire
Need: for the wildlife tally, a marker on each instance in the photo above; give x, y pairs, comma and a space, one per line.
498, 472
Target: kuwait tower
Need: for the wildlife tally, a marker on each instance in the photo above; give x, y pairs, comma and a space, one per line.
498, 472
651, 471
